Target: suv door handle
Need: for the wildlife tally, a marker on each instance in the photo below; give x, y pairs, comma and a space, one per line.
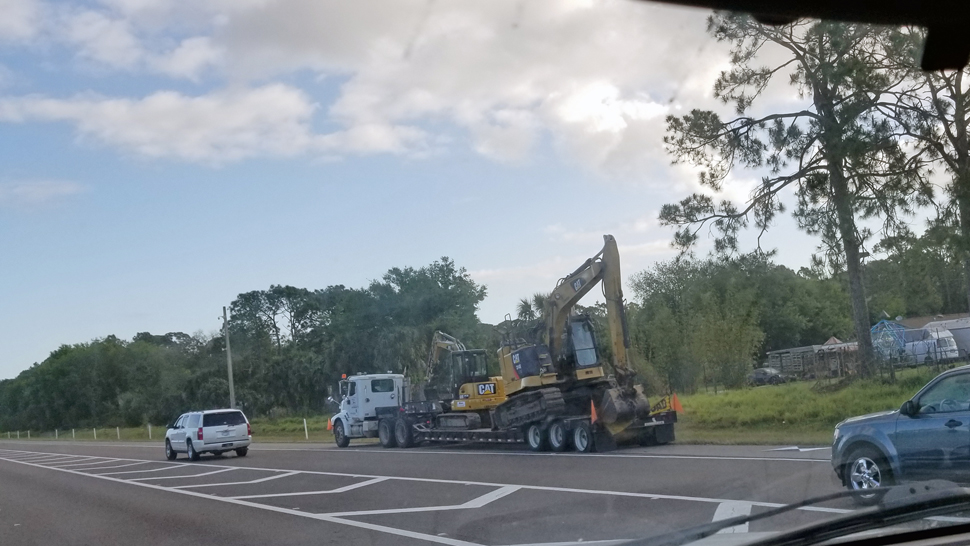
953, 423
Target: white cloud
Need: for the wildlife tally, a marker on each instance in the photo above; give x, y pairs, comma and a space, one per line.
189, 59
104, 39
273, 120
35, 193
19, 19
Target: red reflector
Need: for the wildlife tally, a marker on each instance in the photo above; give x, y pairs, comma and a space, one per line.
249, 429
199, 435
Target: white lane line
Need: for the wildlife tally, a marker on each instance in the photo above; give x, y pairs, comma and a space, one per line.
104, 460
221, 470
260, 480
140, 471
351, 523
262, 447
48, 457
728, 510
798, 449
343, 489
474, 503
117, 466
611, 542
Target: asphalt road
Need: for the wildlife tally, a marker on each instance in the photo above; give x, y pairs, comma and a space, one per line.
54, 493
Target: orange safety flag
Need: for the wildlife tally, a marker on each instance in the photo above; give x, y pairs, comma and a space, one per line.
592, 412
329, 424
675, 404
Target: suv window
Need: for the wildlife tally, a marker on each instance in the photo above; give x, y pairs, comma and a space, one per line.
950, 394
193, 421
382, 385
222, 419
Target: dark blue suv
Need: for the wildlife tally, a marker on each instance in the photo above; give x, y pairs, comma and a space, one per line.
927, 437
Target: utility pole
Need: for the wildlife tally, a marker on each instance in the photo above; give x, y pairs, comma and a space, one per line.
225, 332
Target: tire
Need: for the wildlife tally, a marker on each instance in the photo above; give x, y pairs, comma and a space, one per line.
190, 449
339, 435
867, 469
170, 453
583, 439
385, 433
558, 437
537, 438
241, 452
403, 435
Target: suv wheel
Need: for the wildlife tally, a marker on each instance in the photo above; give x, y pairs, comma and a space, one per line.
867, 469
241, 452
339, 436
193, 454
170, 453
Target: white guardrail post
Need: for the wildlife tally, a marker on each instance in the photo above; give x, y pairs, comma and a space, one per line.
306, 434
28, 434
118, 429
73, 437
95, 433
55, 434
149, 431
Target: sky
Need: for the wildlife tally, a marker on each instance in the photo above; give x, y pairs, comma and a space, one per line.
162, 157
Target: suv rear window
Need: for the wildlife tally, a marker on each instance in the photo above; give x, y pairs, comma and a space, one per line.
223, 419
382, 385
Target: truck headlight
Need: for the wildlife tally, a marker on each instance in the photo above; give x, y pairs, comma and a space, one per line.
835, 436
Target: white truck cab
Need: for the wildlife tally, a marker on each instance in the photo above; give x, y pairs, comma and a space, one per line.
364, 399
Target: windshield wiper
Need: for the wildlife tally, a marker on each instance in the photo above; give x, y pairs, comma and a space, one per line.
896, 505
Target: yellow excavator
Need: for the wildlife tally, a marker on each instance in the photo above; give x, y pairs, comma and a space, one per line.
458, 378
556, 374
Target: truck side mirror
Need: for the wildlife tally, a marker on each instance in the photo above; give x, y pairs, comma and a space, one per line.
908, 408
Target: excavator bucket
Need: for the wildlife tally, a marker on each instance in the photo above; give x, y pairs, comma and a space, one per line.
617, 413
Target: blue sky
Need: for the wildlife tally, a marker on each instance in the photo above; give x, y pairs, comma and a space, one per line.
161, 159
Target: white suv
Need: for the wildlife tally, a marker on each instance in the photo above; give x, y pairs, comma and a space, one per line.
211, 431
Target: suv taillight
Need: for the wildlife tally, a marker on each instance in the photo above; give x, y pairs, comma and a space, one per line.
249, 429
199, 434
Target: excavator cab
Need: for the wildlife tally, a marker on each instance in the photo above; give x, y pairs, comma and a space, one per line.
582, 356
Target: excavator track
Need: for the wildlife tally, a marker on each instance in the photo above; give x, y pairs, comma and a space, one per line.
528, 407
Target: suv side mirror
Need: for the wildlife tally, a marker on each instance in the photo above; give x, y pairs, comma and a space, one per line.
908, 408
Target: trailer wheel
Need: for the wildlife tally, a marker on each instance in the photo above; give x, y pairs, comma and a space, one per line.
583, 438
339, 435
536, 437
558, 436
385, 433
402, 434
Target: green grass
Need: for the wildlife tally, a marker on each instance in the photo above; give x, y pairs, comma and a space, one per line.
794, 413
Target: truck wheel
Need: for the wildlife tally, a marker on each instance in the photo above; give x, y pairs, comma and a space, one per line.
536, 438
339, 436
867, 469
385, 433
583, 438
402, 434
558, 437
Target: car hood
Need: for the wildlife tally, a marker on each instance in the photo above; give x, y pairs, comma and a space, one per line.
878, 417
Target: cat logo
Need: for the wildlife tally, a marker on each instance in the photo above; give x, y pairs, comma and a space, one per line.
486, 388
577, 284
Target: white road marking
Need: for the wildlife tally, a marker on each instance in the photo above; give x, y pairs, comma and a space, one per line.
798, 449
139, 471
579, 543
221, 470
260, 480
104, 460
330, 519
728, 510
477, 502
117, 466
343, 489
48, 458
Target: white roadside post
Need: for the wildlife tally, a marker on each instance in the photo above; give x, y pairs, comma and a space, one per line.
149, 431
55, 434
118, 429
95, 433
73, 437
306, 434
18, 434
28, 434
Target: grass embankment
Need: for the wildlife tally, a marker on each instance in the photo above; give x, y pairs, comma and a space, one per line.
793, 413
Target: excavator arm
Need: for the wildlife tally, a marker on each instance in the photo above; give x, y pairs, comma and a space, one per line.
603, 267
